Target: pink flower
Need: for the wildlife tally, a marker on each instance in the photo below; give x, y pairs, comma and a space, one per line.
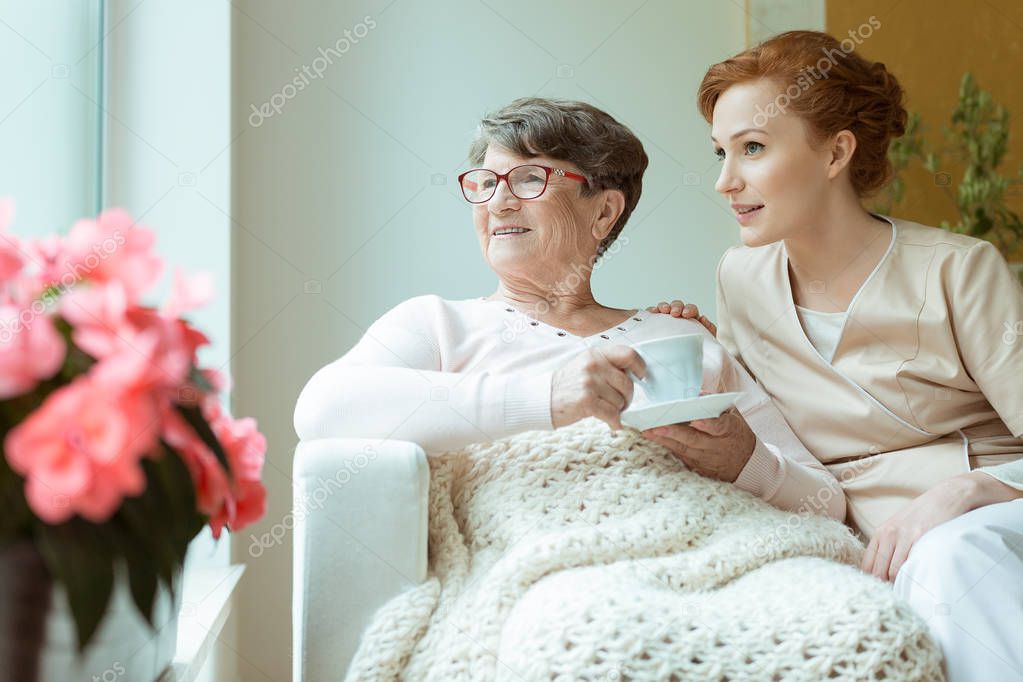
98, 315
12, 258
175, 349
31, 349
209, 478
114, 248
188, 293
235, 503
48, 253
246, 449
159, 350
79, 452
220, 382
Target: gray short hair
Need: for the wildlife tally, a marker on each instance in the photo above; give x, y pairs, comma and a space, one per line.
606, 151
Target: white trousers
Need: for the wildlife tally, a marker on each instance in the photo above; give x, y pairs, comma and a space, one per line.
965, 578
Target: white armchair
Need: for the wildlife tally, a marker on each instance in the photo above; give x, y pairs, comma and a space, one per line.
360, 511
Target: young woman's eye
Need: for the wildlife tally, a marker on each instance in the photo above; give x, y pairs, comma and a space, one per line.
720, 153
753, 147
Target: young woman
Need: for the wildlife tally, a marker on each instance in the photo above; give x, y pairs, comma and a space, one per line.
886, 344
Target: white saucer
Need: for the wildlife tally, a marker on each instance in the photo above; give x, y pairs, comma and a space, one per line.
647, 416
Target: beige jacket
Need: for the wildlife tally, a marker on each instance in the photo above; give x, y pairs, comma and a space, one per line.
927, 378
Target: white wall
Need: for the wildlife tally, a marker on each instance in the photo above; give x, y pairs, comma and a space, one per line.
770, 17
320, 250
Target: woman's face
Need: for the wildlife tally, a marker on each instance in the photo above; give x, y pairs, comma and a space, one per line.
559, 222
768, 164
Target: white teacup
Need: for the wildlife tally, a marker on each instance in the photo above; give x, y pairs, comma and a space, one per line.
674, 367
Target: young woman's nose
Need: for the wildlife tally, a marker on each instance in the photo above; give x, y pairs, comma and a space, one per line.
728, 180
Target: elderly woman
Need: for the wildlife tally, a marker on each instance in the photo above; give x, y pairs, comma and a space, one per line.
553, 186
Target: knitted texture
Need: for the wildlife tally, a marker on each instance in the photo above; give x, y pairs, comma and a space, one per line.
587, 554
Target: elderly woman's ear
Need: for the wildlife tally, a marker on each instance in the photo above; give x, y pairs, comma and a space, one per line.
611, 207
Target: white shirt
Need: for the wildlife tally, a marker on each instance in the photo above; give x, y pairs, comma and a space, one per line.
822, 329
445, 373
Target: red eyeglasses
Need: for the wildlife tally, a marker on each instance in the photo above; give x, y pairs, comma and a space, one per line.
525, 182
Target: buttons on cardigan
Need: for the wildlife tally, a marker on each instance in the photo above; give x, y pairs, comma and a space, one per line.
562, 333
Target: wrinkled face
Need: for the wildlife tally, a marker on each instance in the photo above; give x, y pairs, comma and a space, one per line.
776, 182
558, 224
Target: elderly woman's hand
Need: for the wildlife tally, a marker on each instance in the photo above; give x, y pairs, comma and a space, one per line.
684, 310
716, 448
595, 384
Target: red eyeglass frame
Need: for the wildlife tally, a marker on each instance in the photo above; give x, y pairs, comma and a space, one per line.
560, 172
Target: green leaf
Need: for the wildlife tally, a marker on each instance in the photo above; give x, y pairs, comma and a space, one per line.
142, 579
199, 379
193, 415
169, 504
177, 492
140, 515
80, 558
15, 516
135, 546
983, 224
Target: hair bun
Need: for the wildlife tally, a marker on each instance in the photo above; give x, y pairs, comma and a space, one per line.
892, 95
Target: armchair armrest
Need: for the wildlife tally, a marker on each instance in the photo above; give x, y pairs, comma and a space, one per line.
360, 512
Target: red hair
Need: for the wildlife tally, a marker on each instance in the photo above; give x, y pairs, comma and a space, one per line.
829, 86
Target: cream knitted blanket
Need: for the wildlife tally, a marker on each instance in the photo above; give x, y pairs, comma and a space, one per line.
584, 554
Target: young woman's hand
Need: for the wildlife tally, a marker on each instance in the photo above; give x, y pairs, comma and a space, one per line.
595, 384
684, 310
716, 448
893, 540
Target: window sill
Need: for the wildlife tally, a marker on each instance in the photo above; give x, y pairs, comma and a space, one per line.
205, 606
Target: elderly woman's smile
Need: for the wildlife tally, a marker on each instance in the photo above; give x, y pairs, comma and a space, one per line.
509, 231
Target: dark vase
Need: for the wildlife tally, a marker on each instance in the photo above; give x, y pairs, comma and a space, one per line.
25, 593
38, 640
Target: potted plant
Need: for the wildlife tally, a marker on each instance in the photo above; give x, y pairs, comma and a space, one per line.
978, 140
116, 452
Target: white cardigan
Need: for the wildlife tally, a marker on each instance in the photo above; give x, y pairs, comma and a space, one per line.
444, 374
